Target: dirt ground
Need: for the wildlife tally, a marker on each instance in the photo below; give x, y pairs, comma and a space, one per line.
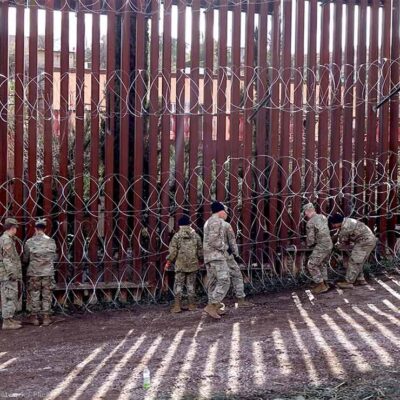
339, 345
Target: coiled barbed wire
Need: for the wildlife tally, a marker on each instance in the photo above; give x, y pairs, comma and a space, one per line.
105, 242
347, 88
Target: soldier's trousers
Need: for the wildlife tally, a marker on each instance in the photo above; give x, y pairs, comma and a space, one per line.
236, 278
317, 264
187, 279
359, 254
218, 281
40, 289
9, 298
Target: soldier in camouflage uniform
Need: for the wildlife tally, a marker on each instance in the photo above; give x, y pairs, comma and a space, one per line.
185, 250
10, 274
215, 257
233, 260
319, 239
40, 253
356, 233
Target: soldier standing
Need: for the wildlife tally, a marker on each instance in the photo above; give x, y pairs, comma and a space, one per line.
10, 274
40, 253
356, 233
319, 239
215, 259
185, 250
233, 260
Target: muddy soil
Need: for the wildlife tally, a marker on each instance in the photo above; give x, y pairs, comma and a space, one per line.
339, 345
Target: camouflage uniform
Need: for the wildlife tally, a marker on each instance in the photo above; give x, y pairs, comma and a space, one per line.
318, 237
40, 252
215, 257
10, 274
185, 250
234, 269
353, 231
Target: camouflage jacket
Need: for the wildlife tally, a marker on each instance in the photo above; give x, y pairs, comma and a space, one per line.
353, 231
318, 234
230, 241
215, 244
40, 252
10, 262
185, 250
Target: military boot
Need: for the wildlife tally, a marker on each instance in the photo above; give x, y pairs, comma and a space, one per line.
211, 310
220, 307
34, 320
344, 285
46, 320
192, 305
8, 324
320, 288
176, 308
242, 303
361, 282
16, 322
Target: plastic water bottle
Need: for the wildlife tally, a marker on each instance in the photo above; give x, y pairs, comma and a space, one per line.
146, 378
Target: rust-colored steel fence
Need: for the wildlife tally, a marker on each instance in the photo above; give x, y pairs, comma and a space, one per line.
117, 117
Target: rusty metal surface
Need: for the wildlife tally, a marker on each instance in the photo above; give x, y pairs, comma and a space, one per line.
298, 127
248, 132
32, 111
194, 132
208, 146
384, 122
123, 242
165, 118
179, 105
323, 120
394, 116
153, 141
372, 120
274, 134
336, 124
79, 135
311, 95
360, 124
286, 120
94, 135
63, 147
348, 133
110, 141
19, 111
4, 101
234, 133
48, 99
169, 126
222, 99
138, 144
261, 129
